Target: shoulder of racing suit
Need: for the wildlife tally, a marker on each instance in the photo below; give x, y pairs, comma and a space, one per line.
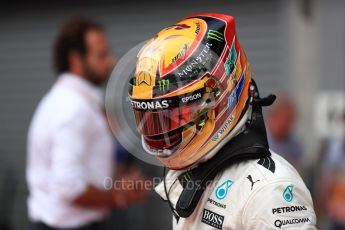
250, 194
262, 194
243, 186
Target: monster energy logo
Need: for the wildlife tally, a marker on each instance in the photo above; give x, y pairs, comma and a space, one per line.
163, 84
215, 35
187, 176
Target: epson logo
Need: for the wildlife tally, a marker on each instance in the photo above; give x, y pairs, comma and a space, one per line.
213, 219
150, 105
191, 98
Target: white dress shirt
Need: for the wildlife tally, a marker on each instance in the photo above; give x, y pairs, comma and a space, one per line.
69, 147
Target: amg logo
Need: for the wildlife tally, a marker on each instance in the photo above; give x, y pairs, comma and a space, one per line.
213, 219
147, 105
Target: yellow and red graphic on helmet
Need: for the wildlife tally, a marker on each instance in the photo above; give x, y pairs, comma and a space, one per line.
190, 89
170, 47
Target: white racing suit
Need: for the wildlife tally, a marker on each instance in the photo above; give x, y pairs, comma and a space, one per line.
265, 193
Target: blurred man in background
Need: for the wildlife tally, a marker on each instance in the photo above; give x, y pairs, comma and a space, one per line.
70, 148
281, 121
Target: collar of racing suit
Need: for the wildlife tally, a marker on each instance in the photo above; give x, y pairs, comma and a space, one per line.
250, 144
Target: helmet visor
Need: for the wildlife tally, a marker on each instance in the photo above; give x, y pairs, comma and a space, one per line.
159, 116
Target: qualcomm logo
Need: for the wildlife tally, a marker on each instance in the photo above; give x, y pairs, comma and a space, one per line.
222, 189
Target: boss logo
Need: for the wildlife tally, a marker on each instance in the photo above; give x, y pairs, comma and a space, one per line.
213, 219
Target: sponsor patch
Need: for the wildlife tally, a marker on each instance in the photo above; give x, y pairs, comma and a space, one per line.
150, 105
235, 94
229, 64
296, 208
222, 190
191, 97
163, 85
198, 62
171, 102
224, 127
252, 182
181, 54
288, 196
281, 223
215, 35
215, 203
213, 219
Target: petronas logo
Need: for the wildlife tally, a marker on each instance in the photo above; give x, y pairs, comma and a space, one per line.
215, 35
223, 189
288, 196
163, 84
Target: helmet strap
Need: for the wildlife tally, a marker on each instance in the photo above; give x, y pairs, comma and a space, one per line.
166, 191
248, 145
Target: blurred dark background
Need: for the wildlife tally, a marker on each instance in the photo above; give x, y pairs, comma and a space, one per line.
295, 48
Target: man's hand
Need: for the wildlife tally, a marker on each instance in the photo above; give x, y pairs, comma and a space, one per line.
134, 187
94, 197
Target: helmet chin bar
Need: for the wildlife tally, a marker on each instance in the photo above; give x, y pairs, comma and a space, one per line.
241, 125
198, 124
239, 128
155, 152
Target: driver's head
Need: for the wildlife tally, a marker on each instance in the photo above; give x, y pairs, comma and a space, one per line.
190, 89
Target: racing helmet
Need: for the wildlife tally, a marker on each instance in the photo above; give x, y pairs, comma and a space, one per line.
190, 89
